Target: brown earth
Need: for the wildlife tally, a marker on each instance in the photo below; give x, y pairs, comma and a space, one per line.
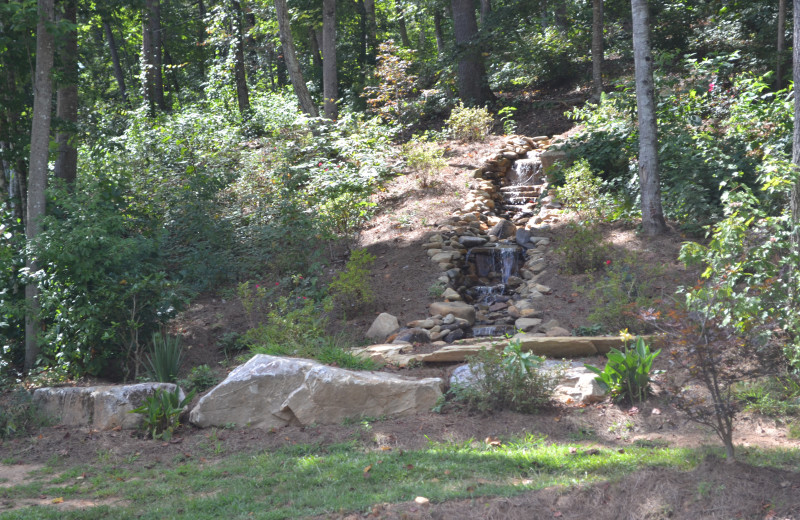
401, 278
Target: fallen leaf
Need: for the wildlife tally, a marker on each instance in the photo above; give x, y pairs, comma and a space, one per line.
621, 450
116, 428
176, 440
409, 466
573, 450
557, 419
368, 469
386, 448
557, 514
58, 500
447, 472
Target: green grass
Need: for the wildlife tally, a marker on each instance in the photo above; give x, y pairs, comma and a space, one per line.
772, 396
306, 480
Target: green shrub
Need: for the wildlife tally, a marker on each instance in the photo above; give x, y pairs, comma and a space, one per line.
468, 123
510, 379
200, 378
164, 362
583, 248
292, 328
351, 287
506, 115
425, 158
161, 411
18, 413
772, 396
583, 192
627, 372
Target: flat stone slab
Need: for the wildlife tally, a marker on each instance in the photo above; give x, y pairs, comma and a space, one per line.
556, 347
100, 407
270, 392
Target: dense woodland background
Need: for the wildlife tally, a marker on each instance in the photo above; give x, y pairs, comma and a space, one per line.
152, 150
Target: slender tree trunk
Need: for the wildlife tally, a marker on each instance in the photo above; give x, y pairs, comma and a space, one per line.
313, 43
292, 65
473, 85
437, 30
486, 10
372, 31
781, 43
652, 214
597, 47
112, 48
176, 87
66, 166
362, 33
40, 141
401, 28
280, 68
201, 38
151, 56
155, 28
794, 198
330, 82
242, 92
21, 181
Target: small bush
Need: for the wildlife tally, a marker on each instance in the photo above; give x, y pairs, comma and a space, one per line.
292, 328
425, 158
161, 411
583, 249
351, 286
165, 360
17, 413
199, 379
771, 396
468, 123
510, 379
627, 372
582, 191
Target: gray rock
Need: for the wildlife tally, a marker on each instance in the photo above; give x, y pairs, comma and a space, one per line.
458, 309
100, 407
468, 241
579, 385
383, 325
527, 324
450, 294
454, 335
503, 229
415, 335
270, 392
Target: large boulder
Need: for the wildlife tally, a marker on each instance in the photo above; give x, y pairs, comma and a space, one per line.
99, 407
383, 325
270, 392
579, 385
458, 309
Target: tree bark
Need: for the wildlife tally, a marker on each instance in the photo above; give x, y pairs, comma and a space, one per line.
486, 10
242, 92
280, 67
112, 48
66, 166
652, 215
437, 30
201, 39
372, 31
794, 196
330, 83
781, 44
313, 43
37, 175
151, 56
597, 47
401, 28
473, 85
292, 65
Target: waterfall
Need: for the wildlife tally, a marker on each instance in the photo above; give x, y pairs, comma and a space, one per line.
525, 172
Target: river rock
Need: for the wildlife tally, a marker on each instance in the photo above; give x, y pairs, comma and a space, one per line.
458, 309
454, 335
270, 392
557, 331
383, 325
450, 294
503, 229
579, 385
98, 407
415, 335
527, 324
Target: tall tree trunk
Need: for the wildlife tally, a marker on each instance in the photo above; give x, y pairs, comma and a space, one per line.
437, 30
597, 47
151, 56
242, 92
330, 83
112, 48
473, 85
173, 75
280, 68
486, 10
652, 214
794, 197
372, 31
201, 38
401, 28
313, 43
37, 182
292, 65
362, 33
66, 166
781, 43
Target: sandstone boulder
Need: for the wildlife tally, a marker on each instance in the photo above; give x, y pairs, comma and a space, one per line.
556, 347
270, 391
383, 325
458, 309
100, 407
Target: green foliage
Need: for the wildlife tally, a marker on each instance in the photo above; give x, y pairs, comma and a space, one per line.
351, 286
292, 327
164, 361
777, 396
390, 97
623, 288
535, 56
469, 123
160, 412
582, 191
506, 115
200, 378
627, 372
17, 413
583, 248
589, 330
425, 158
510, 379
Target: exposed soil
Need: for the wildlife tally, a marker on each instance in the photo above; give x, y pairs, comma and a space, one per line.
401, 278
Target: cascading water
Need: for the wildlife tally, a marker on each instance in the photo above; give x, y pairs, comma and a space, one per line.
525, 172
